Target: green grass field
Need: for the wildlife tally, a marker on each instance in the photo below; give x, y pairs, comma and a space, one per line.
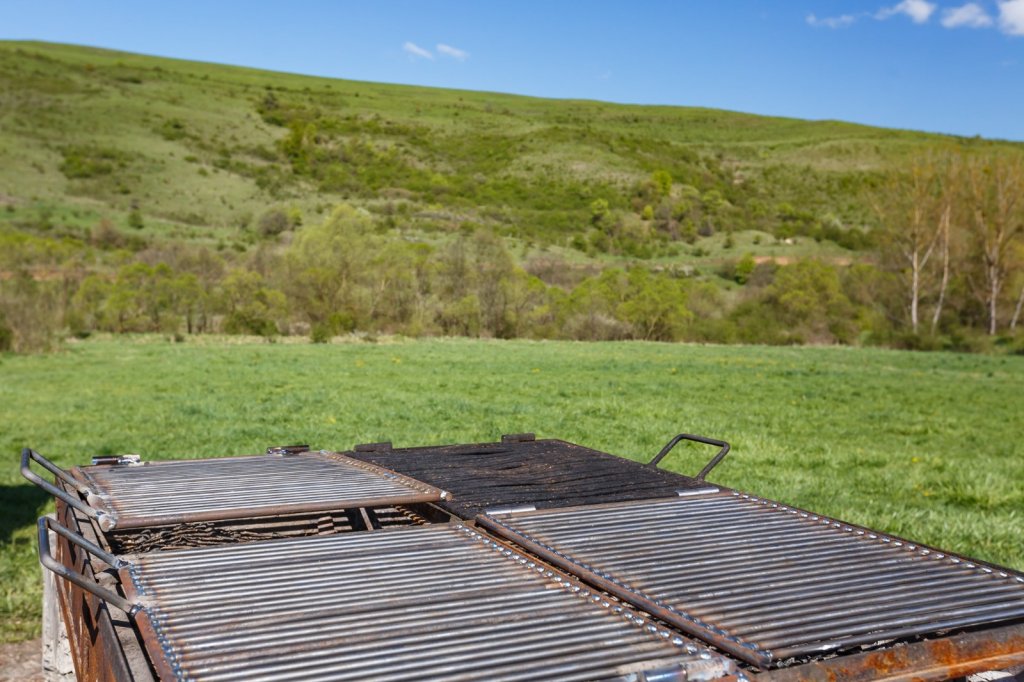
923, 445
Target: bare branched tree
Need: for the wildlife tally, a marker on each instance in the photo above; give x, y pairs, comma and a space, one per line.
995, 218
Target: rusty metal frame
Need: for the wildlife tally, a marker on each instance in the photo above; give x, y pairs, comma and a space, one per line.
930, 660
104, 644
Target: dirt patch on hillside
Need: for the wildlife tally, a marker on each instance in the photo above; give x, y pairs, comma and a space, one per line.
21, 662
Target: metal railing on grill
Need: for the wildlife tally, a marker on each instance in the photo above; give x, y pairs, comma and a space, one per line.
763, 581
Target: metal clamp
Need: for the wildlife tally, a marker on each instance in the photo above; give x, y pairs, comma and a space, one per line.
286, 450
28, 455
696, 439
47, 559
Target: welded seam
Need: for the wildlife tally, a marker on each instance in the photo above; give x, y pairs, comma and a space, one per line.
157, 619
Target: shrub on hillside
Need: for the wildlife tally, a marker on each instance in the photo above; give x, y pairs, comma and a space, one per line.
90, 161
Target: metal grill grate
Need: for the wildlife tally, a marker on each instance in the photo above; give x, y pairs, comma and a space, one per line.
168, 493
431, 602
542, 473
763, 581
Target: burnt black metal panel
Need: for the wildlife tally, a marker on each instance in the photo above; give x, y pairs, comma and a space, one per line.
546, 474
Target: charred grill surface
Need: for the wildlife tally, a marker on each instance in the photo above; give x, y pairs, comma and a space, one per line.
542, 473
186, 535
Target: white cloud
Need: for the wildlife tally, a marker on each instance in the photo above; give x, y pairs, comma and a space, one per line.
920, 11
453, 52
832, 22
971, 15
1011, 17
416, 51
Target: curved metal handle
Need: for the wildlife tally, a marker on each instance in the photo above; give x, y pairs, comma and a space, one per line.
28, 455
47, 560
696, 439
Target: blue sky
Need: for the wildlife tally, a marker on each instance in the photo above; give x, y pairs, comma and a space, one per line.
945, 65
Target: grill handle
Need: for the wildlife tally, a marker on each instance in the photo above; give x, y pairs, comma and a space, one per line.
696, 439
47, 559
28, 455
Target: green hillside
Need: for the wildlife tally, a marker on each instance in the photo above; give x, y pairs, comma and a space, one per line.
202, 151
119, 170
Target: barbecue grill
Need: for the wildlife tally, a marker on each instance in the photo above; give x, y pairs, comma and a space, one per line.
524, 559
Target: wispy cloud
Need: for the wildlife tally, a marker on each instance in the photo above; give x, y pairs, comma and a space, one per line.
841, 21
919, 11
971, 15
417, 52
1011, 17
453, 52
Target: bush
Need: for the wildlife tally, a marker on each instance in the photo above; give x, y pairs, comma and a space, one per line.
6, 335
90, 162
273, 222
320, 333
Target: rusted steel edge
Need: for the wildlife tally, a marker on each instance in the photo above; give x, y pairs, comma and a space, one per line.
97, 651
132, 522
930, 660
730, 645
156, 647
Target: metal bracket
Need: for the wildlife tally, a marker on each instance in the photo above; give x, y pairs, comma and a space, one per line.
284, 450
510, 510
123, 460
47, 559
384, 446
518, 438
696, 439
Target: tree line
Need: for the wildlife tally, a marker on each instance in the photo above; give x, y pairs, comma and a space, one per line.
947, 272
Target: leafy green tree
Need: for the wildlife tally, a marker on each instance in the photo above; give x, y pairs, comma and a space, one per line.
655, 305
808, 298
252, 307
327, 266
662, 181
745, 268
599, 211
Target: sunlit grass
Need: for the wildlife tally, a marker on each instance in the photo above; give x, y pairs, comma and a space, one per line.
923, 445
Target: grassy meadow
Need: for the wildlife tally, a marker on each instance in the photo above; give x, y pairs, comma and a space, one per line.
923, 445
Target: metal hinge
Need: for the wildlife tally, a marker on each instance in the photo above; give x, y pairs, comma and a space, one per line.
384, 446
518, 438
508, 511
126, 460
697, 491
287, 449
